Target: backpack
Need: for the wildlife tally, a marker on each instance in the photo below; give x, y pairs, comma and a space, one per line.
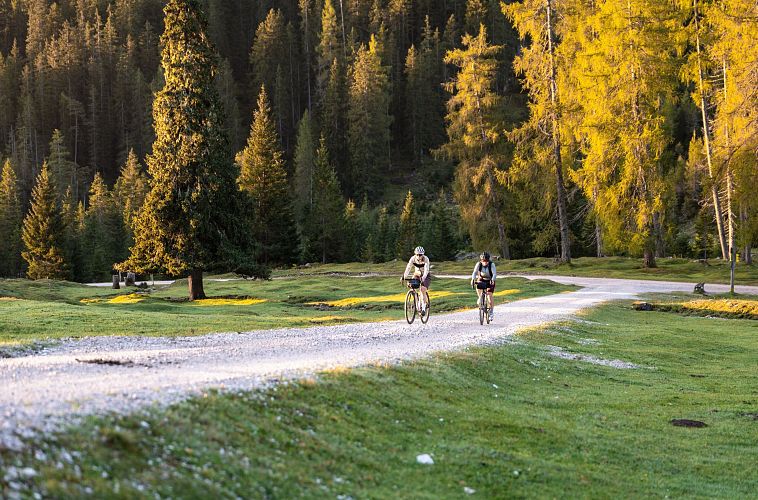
480, 267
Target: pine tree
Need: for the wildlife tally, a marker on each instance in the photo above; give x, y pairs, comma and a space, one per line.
191, 219
369, 120
475, 138
325, 226
408, 229
264, 179
43, 232
10, 222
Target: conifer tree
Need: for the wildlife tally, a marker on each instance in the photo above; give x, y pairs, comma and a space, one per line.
369, 120
625, 121
191, 219
475, 137
264, 179
72, 216
328, 48
63, 171
535, 20
441, 241
408, 228
305, 165
10, 222
43, 232
333, 110
131, 189
353, 234
325, 225
103, 233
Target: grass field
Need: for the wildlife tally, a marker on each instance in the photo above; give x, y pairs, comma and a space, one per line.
715, 271
508, 421
32, 311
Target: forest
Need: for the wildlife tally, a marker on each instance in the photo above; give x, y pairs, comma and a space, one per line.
359, 129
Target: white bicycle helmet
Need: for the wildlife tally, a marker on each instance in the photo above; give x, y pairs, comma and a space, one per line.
419, 251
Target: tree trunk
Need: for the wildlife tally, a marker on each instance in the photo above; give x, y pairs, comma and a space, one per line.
660, 243
504, 247
598, 238
649, 259
195, 281
556, 137
707, 144
747, 256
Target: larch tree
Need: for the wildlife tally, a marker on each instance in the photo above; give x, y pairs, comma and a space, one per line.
131, 189
475, 138
535, 20
43, 232
369, 120
191, 219
733, 54
625, 118
696, 72
264, 179
10, 222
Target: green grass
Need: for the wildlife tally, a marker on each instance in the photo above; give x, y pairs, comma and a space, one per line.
508, 421
48, 310
668, 269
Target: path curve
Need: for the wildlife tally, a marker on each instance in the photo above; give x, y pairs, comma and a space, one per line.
40, 392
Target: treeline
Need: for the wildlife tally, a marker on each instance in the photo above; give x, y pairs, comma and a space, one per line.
559, 127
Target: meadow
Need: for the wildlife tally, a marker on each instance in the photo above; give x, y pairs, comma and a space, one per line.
42, 311
540, 416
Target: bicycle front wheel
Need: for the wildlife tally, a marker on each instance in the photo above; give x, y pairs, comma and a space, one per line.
410, 306
482, 311
425, 316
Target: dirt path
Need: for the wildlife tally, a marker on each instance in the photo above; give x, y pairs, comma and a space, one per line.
122, 374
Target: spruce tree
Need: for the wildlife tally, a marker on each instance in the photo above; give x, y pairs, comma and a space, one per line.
264, 179
325, 223
353, 234
408, 229
10, 223
304, 168
369, 120
72, 215
103, 233
43, 232
191, 219
63, 171
131, 189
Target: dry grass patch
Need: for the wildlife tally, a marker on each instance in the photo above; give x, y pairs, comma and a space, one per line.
396, 297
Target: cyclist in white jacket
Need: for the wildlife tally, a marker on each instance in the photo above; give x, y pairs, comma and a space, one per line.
420, 266
485, 272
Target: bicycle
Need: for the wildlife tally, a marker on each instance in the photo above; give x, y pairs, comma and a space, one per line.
412, 300
482, 302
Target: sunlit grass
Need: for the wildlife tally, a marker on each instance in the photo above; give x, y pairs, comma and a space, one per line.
46, 310
508, 421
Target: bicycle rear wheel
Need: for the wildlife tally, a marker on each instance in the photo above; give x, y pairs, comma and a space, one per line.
410, 306
425, 316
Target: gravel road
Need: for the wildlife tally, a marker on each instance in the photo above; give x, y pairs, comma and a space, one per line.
42, 391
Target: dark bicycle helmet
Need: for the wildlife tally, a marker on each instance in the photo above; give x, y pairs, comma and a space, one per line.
484, 256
